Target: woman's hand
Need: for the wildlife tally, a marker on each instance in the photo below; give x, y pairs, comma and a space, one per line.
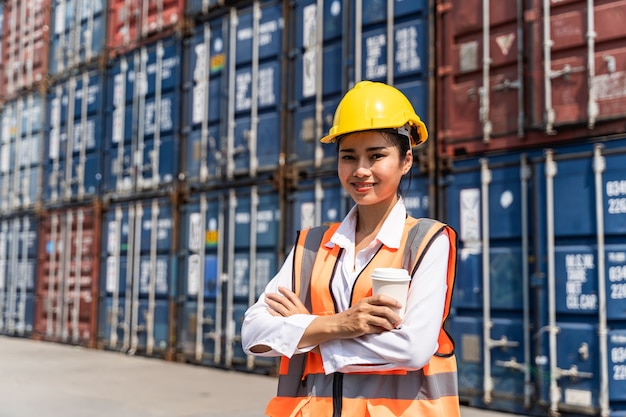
371, 315
285, 304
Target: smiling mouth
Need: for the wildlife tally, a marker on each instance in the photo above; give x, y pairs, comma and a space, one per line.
362, 186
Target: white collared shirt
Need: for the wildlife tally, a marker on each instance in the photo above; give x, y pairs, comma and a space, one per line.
408, 347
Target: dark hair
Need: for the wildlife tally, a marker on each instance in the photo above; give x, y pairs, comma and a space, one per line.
400, 142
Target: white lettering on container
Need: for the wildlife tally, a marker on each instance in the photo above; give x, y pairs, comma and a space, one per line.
576, 267
374, 52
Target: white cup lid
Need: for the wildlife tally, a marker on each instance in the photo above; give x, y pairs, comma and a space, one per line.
391, 274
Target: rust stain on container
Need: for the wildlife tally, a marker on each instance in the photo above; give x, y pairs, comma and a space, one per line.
132, 24
68, 275
24, 45
527, 76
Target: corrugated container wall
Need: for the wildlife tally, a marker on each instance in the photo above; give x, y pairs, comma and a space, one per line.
142, 140
233, 95
68, 275
78, 30
138, 282
24, 45
539, 305
526, 74
21, 146
18, 264
133, 24
229, 240
75, 131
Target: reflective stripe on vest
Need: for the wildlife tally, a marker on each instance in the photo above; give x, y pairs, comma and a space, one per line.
303, 385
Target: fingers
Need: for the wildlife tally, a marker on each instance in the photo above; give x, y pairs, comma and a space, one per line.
382, 311
285, 303
384, 300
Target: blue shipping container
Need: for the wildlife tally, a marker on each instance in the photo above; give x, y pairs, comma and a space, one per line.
137, 286
142, 119
21, 144
229, 233
541, 249
75, 127
77, 35
233, 94
18, 266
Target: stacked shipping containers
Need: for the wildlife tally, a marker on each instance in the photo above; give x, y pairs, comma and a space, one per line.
230, 214
158, 158
24, 63
141, 148
531, 146
69, 204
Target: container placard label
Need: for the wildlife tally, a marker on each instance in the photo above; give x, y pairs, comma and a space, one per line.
406, 55
309, 40
375, 50
193, 274
577, 276
470, 215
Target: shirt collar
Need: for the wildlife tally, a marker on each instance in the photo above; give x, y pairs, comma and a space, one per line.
389, 234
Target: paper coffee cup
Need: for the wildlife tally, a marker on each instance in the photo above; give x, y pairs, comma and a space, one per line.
393, 282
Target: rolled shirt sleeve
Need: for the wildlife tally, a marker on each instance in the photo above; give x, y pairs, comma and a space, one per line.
281, 334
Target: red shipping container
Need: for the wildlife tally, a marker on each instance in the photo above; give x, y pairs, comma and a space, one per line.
24, 45
66, 305
133, 23
554, 71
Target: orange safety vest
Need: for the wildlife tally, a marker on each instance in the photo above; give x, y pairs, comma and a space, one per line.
304, 390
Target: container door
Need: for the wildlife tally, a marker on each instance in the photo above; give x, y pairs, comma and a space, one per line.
77, 33
252, 260
202, 248
582, 255
136, 308
582, 64
319, 44
142, 121
254, 99
205, 54
480, 72
22, 139
132, 23
73, 163
24, 45
18, 251
487, 203
68, 277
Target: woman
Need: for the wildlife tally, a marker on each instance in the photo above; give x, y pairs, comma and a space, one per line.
346, 352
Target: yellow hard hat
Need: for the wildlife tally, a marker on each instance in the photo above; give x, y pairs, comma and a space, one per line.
375, 106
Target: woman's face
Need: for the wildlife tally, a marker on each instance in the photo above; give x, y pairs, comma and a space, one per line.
370, 167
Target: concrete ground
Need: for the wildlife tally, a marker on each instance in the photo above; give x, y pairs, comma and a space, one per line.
43, 379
